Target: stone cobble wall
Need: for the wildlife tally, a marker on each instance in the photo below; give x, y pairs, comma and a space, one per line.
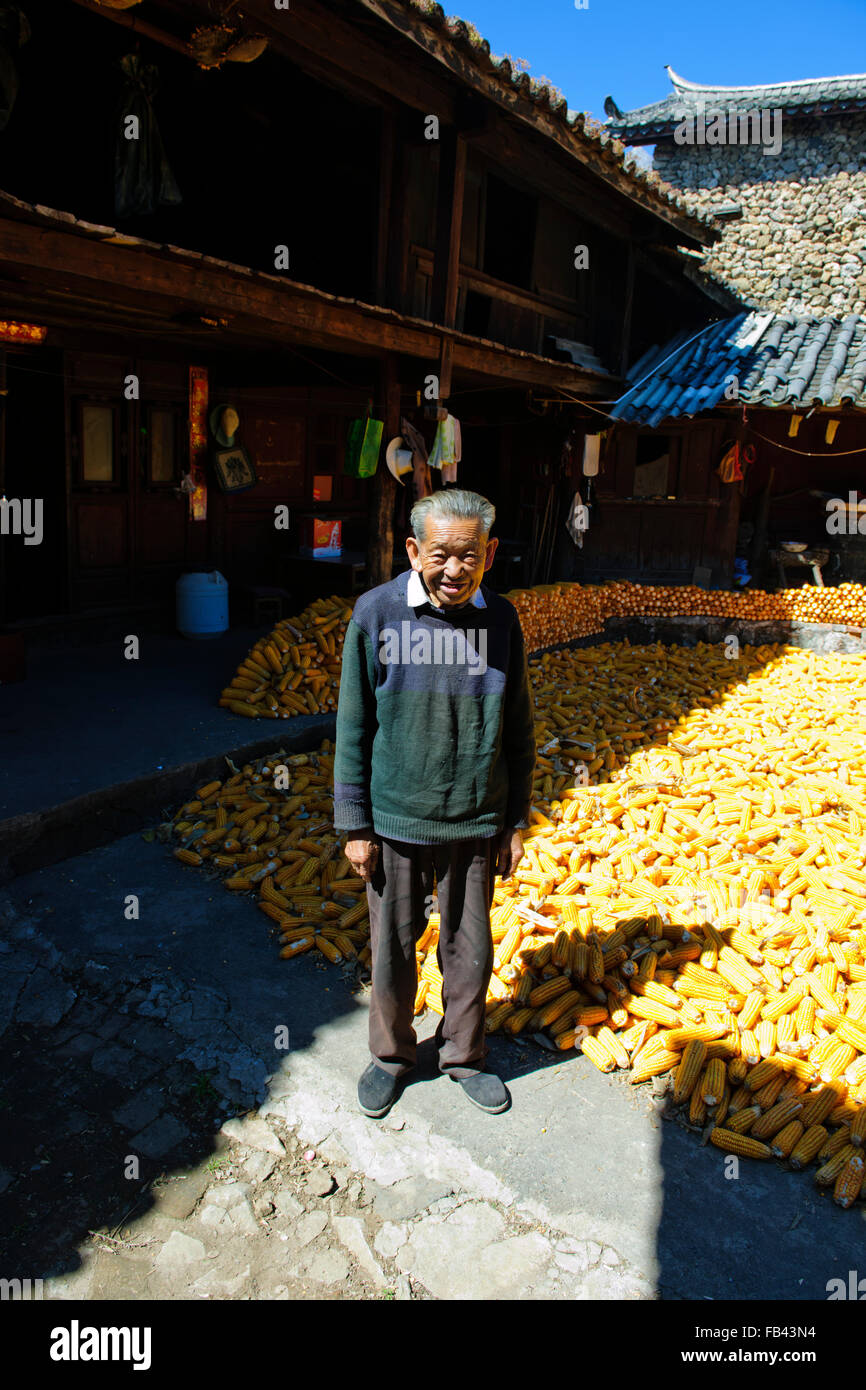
800, 245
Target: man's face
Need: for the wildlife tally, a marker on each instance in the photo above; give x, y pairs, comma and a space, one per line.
452, 559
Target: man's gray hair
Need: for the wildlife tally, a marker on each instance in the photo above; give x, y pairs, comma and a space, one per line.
457, 505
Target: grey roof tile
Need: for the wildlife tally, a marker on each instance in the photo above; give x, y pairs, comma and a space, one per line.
792, 362
800, 98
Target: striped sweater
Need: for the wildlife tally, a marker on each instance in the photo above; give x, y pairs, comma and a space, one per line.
435, 721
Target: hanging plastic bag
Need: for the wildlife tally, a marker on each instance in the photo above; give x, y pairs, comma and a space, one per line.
362, 447
143, 180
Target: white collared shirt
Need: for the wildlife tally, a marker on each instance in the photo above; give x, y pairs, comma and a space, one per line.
417, 596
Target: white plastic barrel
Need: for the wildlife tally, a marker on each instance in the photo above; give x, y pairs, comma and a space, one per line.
202, 604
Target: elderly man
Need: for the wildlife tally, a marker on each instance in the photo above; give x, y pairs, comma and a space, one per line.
433, 776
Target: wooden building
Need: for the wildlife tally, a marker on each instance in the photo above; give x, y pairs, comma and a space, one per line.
354, 199
790, 392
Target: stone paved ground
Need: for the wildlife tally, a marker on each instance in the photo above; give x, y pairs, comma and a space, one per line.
157, 1039
96, 1071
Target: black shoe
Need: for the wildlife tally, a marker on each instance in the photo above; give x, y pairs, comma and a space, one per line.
486, 1091
377, 1091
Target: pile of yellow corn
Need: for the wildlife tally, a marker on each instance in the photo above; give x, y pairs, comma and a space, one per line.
268, 830
700, 909
555, 613
693, 895
296, 668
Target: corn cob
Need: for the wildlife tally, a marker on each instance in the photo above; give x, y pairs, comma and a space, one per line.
819, 1106
609, 1040
849, 1182
659, 1061
829, 1171
713, 1082
807, 1148
740, 1144
688, 1070
742, 1120
833, 1144
775, 1119
787, 1138
767, 1095
597, 1054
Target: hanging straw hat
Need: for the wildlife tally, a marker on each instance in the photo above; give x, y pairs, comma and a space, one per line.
398, 458
224, 421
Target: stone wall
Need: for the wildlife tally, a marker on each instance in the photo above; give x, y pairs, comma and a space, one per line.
800, 244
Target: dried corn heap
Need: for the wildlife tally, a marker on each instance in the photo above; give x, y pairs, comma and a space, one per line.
268, 830
697, 909
296, 668
556, 613
709, 890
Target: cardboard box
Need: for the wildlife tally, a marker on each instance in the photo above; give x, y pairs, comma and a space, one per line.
323, 484
321, 536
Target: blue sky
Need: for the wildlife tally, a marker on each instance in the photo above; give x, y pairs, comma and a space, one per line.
621, 46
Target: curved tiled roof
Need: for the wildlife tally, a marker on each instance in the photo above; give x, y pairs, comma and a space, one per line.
466, 39
778, 360
827, 95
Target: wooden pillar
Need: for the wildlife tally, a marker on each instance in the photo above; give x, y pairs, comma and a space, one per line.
394, 209
625, 341
449, 227
380, 536
4, 595
386, 191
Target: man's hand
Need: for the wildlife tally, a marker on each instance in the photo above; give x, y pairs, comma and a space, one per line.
363, 855
510, 851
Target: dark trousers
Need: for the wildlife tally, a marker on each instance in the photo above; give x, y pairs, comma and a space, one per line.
399, 898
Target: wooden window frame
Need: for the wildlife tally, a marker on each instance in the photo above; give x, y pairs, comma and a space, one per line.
178, 413
118, 481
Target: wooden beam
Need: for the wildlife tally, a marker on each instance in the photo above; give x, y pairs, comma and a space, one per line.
316, 38
53, 264
132, 21
380, 537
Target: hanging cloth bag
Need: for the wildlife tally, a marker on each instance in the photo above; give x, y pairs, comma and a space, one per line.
362, 447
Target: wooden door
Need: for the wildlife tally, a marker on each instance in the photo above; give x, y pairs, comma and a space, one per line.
128, 528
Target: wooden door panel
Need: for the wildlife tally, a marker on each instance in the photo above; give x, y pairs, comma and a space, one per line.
160, 530
101, 533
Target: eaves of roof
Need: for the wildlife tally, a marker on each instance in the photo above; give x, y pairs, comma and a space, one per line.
466, 44
810, 96
777, 360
